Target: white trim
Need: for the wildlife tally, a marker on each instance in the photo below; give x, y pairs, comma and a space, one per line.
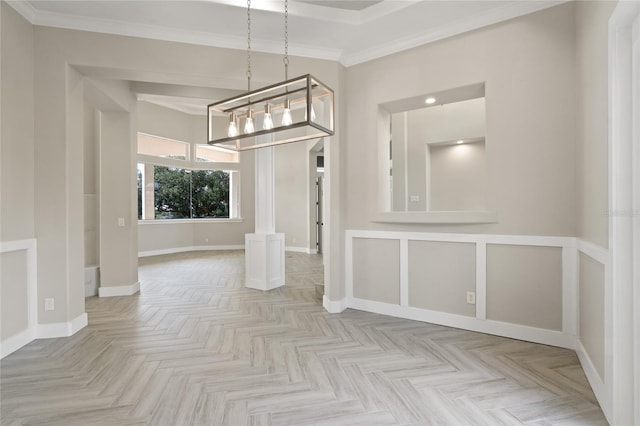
404, 273
189, 248
346, 57
596, 382
9, 345
188, 221
62, 329
121, 290
15, 342
516, 240
570, 297
305, 250
594, 251
498, 328
494, 16
481, 279
619, 290
334, 306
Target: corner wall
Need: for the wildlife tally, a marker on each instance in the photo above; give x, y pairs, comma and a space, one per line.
18, 317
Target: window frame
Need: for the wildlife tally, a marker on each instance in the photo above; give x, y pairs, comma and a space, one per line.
190, 164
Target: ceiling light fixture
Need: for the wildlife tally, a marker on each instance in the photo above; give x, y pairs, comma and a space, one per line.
459, 142
293, 110
430, 101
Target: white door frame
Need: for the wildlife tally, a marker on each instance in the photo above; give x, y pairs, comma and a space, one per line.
623, 345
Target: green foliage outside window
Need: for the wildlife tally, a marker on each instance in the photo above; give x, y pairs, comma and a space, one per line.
184, 194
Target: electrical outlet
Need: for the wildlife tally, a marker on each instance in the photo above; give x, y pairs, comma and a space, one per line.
414, 198
206, 240
48, 304
121, 221
471, 297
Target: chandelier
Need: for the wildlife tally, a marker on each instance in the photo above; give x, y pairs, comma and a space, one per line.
293, 110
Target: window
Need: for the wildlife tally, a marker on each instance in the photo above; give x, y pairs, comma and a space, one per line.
172, 187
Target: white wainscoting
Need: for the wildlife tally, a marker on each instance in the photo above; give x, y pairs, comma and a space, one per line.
35, 330
17, 341
565, 338
568, 337
599, 385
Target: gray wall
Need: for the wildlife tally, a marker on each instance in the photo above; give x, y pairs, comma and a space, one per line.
376, 270
591, 118
458, 176
524, 285
434, 284
64, 59
592, 310
525, 63
17, 149
13, 293
16, 165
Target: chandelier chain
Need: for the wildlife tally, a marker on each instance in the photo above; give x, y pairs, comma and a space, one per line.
249, 45
286, 40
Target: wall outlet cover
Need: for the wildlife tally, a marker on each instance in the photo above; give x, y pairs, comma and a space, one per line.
471, 297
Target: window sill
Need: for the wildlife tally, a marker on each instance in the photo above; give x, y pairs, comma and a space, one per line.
437, 217
170, 221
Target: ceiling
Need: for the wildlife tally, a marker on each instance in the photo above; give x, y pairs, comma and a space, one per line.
349, 31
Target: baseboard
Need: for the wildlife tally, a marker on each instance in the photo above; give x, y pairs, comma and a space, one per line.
62, 329
122, 290
497, 328
597, 385
300, 250
15, 342
334, 306
189, 248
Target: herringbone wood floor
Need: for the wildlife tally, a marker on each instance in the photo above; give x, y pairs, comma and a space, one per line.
196, 347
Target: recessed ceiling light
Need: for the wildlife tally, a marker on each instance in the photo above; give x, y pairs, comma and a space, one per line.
430, 101
459, 142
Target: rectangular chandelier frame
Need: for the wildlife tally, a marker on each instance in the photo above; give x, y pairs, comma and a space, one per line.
295, 110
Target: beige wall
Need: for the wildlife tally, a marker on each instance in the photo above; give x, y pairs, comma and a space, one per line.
457, 178
376, 270
100, 56
160, 121
292, 193
17, 147
591, 119
17, 196
528, 67
13, 293
440, 274
592, 310
524, 285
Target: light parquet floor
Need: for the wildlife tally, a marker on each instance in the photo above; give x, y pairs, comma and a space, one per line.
197, 348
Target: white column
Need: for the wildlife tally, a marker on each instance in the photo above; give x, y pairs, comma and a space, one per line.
264, 249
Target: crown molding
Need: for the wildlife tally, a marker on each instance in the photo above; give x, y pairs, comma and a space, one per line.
108, 26
346, 58
494, 16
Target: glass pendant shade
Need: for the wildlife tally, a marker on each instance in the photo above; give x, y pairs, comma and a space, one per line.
248, 124
267, 122
232, 131
287, 120
294, 110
